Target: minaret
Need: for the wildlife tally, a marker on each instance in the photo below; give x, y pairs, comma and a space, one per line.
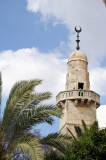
77, 102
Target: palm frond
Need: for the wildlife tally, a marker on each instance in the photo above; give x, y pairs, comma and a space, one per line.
78, 130
71, 133
94, 125
28, 106
84, 126
57, 141
24, 109
18, 95
29, 118
81, 130
28, 145
40, 114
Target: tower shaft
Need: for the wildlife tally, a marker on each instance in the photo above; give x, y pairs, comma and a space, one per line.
77, 102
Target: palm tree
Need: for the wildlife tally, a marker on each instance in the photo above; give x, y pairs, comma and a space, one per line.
57, 141
24, 109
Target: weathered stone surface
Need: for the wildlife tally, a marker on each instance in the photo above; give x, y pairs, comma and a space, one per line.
77, 103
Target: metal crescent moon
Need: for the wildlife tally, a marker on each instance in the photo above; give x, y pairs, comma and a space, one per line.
77, 29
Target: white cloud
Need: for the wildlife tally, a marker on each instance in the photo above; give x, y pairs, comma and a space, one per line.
98, 84
101, 115
98, 80
25, 64
90, 14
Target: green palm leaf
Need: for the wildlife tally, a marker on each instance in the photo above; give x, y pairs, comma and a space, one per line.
24, 109
20, 114
84, 126
29, 118
28, 145
18, 95
78, 130
71, 133
57, 141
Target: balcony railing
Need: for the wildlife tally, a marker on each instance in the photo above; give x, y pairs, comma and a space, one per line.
78, 94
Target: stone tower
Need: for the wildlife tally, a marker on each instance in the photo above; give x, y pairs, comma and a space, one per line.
77, 102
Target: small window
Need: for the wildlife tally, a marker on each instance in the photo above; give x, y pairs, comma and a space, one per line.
79, 93
80, 85
82, 94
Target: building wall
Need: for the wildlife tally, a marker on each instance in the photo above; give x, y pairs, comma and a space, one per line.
77, 72
73, 115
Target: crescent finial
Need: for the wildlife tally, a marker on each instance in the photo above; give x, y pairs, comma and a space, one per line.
78, 29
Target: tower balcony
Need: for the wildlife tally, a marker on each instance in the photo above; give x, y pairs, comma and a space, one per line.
80, 97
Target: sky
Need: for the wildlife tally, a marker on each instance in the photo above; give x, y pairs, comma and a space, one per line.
37, 37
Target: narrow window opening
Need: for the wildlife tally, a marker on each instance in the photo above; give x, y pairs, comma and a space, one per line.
80, 85
79, 93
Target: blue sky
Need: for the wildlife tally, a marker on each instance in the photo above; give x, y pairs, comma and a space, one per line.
36, 38
22, 29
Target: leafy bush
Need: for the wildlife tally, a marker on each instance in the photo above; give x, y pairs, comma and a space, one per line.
53, 155
90, 146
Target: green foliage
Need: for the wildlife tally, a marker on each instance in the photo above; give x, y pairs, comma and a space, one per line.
79, 131
56, 140
28, 145
91, 145
53, 155
24, 109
